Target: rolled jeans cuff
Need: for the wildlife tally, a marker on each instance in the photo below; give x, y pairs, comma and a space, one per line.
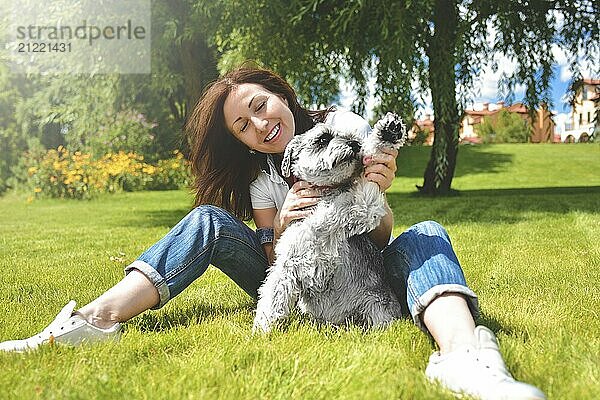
430, 295
157, 280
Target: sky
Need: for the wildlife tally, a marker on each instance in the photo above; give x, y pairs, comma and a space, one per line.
487, 84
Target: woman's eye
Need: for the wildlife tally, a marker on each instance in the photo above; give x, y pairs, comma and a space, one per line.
243, 128
261, 105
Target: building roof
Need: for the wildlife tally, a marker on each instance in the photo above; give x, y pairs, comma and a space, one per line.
480, 112
515, 108
591, 81
426, 123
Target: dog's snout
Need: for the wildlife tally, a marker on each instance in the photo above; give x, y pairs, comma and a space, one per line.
354, 145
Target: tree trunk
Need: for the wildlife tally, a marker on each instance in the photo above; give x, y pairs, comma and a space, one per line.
196, 59
442, 82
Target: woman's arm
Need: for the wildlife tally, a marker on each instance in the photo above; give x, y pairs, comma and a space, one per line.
381, 169
381, 234
296, 205
263, 218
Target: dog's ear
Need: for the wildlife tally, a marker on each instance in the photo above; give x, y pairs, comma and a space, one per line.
290, 154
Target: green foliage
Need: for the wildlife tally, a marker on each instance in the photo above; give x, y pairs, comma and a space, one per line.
88, 112
170, 174
128, 131
420, 137
504, 127
12, 138
98, 114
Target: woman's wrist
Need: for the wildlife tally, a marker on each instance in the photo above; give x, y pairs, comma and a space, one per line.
381, 234
278, 227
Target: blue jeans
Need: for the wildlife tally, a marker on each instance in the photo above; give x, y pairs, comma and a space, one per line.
420, 263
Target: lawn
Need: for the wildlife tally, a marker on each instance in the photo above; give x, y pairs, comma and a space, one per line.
525, 226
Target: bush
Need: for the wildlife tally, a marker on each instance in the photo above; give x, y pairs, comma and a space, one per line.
506, 127
420, 137
126, 130
170, 174
62, 174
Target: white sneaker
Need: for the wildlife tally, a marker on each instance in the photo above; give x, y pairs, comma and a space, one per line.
67, 328
479, 371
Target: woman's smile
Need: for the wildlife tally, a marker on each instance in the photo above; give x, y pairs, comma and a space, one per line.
274, 134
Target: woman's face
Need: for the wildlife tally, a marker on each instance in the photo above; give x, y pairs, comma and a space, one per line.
258, 118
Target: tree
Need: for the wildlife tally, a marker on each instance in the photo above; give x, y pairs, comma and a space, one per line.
99, 113
436, 45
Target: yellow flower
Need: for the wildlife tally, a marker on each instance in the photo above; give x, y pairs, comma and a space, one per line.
29, 199
32, 170
149, 169
37, 190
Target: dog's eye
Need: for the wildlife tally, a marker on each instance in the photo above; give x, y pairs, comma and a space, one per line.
324, 139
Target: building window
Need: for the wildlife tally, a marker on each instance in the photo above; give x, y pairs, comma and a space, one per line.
589, 117
580, 119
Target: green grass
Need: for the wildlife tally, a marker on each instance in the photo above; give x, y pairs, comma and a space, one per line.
526, 227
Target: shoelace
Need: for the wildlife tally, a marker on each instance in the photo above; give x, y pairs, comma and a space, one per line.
498, 372
58, 324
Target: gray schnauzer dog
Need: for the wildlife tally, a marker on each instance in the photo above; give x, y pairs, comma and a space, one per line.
326, 263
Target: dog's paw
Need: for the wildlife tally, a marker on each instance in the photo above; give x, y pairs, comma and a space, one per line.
390, 129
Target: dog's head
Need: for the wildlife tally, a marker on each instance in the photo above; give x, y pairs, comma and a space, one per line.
323, 156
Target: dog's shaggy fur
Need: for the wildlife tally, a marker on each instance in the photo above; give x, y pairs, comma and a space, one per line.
326, 263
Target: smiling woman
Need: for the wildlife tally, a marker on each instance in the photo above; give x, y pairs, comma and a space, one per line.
241, 118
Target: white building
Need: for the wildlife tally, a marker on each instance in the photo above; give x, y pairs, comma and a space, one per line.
580, 126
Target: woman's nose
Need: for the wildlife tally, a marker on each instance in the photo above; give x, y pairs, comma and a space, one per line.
259, 123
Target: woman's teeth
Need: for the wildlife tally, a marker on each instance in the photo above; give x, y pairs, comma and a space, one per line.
273, 133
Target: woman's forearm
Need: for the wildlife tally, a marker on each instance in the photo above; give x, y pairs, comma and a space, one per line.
381, 234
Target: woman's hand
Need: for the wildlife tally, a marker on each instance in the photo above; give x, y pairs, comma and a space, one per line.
300, 196
381, 168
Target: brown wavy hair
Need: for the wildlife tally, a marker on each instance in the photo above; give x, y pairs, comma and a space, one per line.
222, 166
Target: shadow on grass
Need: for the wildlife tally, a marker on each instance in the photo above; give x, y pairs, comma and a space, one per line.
510, 205
183, 316
495, 325
494, 205
412, 161
566, 190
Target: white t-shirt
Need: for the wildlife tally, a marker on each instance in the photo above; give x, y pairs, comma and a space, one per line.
268, 190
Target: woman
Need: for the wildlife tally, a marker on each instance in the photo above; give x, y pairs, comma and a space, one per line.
238, 131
